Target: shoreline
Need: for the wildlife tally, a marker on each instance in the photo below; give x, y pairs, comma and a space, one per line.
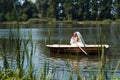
64, 22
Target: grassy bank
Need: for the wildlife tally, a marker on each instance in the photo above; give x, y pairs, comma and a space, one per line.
45, 21
100, 22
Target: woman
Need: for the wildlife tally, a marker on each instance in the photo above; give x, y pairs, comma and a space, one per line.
77, 39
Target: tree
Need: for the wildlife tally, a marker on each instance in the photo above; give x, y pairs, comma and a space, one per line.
29, 9
51, 9
117, 9
105, 9
42, 6
2, 17
60, 9
7, 7
24, 17
68, 9
94, 9
75, 10
83, 13
10, 17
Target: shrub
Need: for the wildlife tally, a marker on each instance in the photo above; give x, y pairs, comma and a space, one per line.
10, 17
117, 20
2, 17
107, 20
24, 17
37, 21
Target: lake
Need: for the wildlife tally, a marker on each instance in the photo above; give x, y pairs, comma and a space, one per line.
61, 33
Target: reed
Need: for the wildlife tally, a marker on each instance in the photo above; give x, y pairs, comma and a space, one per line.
21, 65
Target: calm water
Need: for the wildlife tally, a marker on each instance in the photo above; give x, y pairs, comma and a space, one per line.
92, 34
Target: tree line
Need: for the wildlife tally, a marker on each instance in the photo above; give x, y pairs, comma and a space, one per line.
11, 10
79, 10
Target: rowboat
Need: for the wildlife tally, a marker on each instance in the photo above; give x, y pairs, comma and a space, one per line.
66, 48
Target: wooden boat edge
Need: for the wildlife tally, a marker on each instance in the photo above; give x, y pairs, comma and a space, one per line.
70, 46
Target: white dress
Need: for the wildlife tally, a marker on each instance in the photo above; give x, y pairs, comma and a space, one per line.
79, 43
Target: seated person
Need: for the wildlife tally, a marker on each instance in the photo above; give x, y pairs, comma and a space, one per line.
76, 39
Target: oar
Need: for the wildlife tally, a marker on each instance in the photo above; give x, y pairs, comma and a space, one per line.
82, 49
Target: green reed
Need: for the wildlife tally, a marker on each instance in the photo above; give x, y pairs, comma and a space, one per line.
20, 53
104, 69
18, 49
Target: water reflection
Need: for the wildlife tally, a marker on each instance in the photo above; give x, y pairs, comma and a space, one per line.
78, 60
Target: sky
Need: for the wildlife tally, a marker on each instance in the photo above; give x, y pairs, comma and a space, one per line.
33, 0
23, 1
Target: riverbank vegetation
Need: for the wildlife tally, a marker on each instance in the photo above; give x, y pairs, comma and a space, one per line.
54, 22
64, 10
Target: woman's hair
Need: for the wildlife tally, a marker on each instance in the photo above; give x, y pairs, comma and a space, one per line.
80, 37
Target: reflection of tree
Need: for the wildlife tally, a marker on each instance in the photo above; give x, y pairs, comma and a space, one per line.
60, 25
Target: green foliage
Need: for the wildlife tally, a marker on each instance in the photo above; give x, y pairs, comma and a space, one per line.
2, 17
7, 8
19, 48
94, 15
105, 8
29, 9
10, 16
51, 10
42, 6
37, 21
77, 10
107, 21
61, 9
117, 20
24, 17
117, 8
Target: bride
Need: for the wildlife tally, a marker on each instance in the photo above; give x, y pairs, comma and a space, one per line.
77, 39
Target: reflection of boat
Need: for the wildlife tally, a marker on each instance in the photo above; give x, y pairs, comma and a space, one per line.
59, 48
76, 62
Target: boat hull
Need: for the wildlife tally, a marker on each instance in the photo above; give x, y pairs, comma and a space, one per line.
90, 49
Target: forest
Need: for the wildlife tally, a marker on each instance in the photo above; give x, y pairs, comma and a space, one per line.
79, 10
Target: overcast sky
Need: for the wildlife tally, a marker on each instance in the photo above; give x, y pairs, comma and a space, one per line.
33, 0
23, 1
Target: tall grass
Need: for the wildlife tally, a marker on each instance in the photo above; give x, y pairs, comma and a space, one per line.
16, 48
17, 55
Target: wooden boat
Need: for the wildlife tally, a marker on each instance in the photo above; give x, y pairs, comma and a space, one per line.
64, 48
